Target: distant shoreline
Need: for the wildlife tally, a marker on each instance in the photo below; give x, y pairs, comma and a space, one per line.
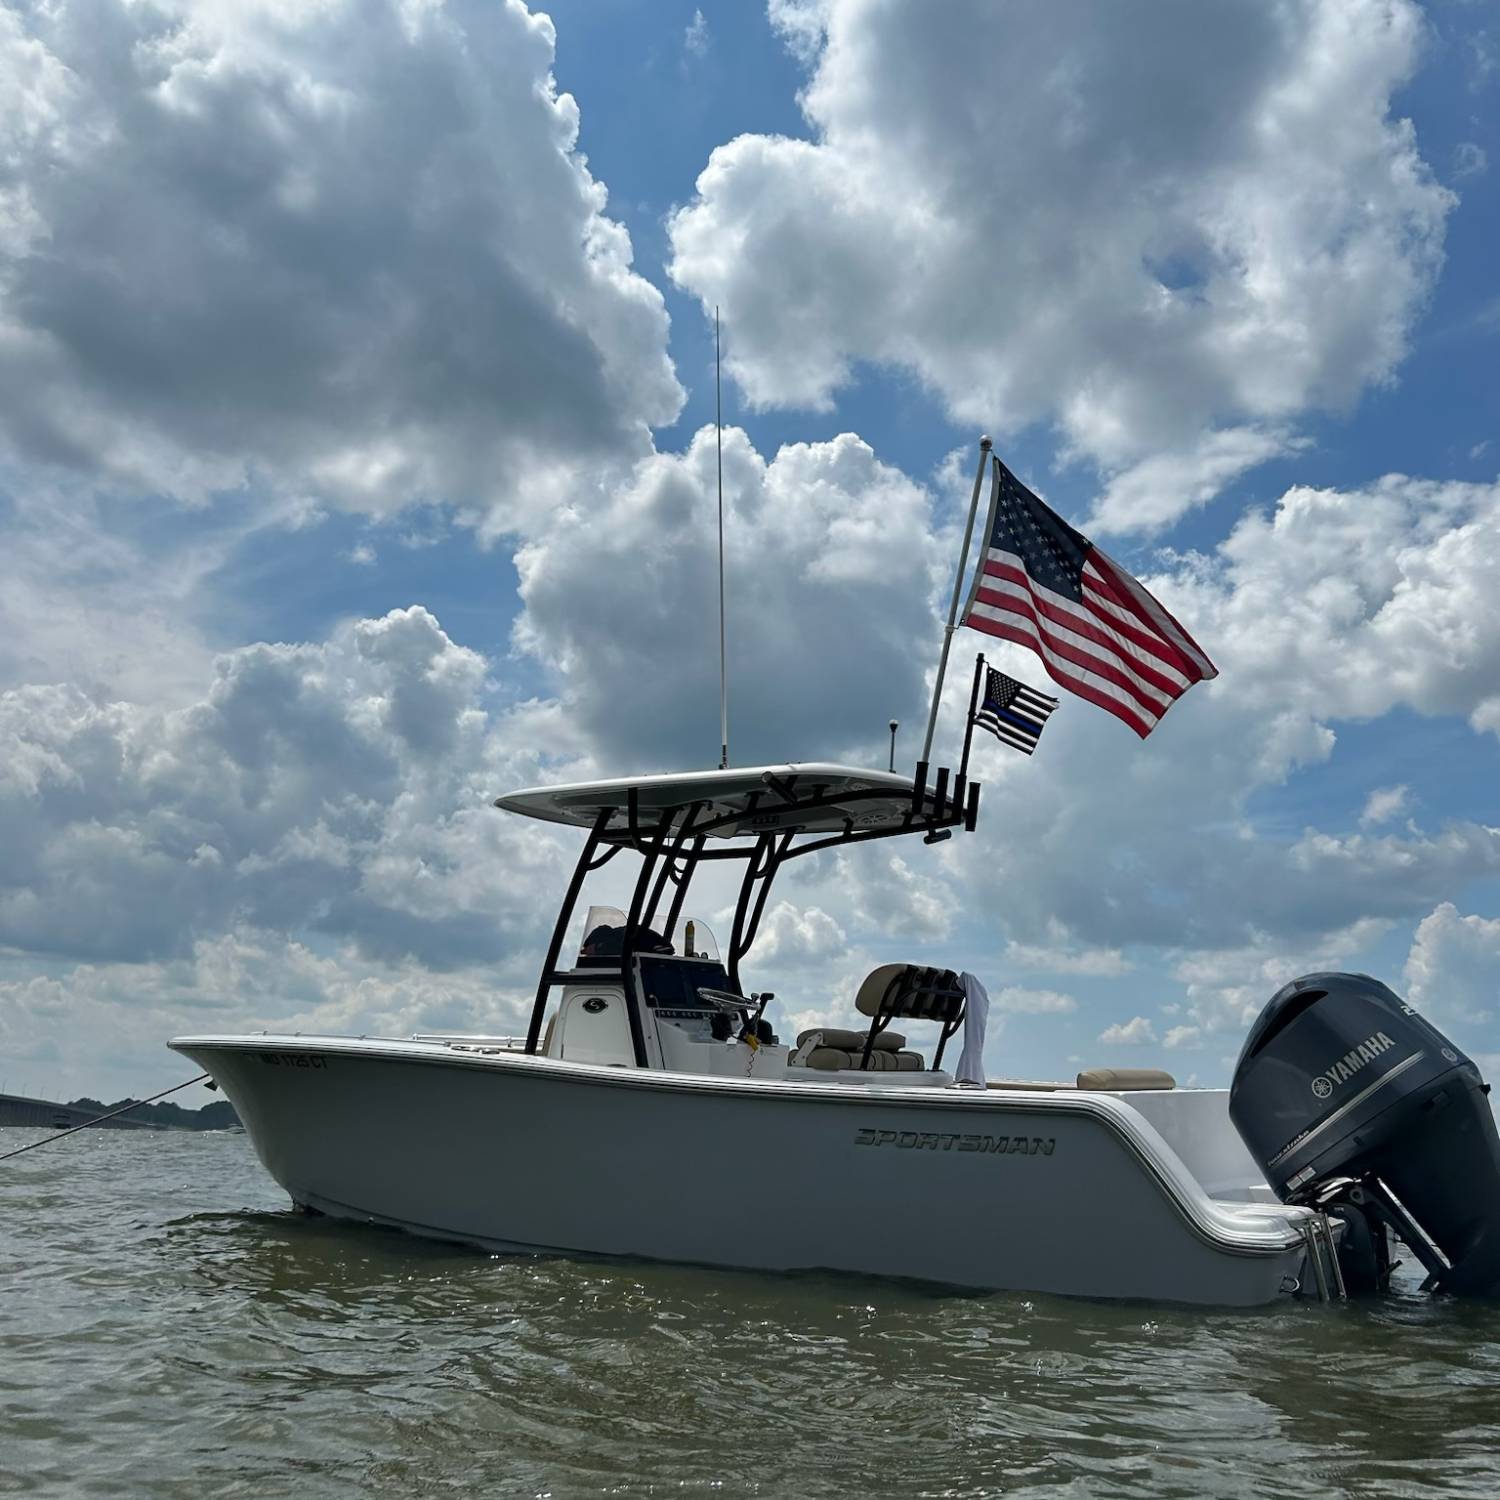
19, 1110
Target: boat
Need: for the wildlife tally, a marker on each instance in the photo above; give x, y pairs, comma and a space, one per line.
651, 1111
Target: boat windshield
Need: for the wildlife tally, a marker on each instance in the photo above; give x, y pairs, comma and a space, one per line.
698, 941
603, 933
604, 937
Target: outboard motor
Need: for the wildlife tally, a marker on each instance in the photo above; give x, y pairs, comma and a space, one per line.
1355, 1105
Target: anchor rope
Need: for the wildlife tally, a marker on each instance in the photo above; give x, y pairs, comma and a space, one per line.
123, 1109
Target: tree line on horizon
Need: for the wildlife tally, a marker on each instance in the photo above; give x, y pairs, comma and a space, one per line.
219, 1115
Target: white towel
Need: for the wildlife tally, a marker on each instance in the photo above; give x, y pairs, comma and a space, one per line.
976, 1013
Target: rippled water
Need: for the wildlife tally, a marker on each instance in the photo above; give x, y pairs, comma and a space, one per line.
168, 1327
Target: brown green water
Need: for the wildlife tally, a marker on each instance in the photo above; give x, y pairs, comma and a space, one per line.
169, 1328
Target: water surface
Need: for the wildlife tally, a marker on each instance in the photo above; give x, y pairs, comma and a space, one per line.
169, 1328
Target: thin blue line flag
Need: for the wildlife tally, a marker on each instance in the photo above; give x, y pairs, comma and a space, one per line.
1013, 712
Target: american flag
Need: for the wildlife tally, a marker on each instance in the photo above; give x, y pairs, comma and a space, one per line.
1098, 632
1013, 712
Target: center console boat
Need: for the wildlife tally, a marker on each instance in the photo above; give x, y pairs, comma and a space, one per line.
650, 1110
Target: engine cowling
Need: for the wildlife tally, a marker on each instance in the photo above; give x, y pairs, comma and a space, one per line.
1350, 1100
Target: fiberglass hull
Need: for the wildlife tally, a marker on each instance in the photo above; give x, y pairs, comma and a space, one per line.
1068, 1192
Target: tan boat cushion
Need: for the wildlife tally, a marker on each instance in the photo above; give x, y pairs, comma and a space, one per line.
829, 1059
853, 1041
1118, 1080
835, 1059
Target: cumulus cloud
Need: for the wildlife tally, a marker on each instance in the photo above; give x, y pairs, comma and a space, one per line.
84, 603
791, 935
1226, 988
1135, 1032
1369, 598
832, 562
801, 24
1465, 849
1062, 953
895, 895
1156, 490
116, 1017
1182, 1036
1383, 804
1025, 1002
1453, 970
340, 789
341, 250
1166, 231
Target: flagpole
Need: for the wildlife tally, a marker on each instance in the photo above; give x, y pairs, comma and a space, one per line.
989, 530
958, 583
963, 765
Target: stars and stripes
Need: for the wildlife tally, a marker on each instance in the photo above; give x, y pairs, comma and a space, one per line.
1098, 632
1013, 712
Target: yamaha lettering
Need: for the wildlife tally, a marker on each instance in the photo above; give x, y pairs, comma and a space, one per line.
991, 1145
1350, 1064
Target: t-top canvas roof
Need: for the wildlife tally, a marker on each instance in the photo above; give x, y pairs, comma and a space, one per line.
766, 798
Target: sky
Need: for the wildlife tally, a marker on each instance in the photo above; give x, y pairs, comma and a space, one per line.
357, 466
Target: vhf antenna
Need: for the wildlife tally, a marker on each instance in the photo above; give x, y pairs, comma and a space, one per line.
719, 438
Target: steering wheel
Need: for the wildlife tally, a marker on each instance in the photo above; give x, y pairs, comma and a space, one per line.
723, 1000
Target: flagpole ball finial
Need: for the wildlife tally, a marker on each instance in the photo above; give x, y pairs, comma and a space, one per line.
985, 442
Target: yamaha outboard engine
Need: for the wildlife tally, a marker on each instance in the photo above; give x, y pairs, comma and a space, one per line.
1355, 1105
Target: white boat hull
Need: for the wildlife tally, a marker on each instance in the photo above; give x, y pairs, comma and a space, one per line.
1066, 1192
